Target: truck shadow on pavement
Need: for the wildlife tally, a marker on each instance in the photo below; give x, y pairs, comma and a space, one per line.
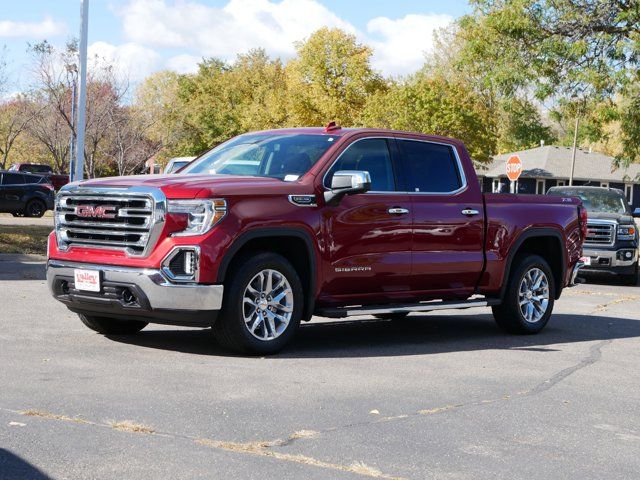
12, 466
415, 335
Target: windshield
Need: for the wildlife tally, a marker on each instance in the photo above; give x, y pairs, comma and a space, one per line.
597, 201
283, 156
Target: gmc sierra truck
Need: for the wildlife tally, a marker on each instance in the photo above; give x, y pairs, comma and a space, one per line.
270, 228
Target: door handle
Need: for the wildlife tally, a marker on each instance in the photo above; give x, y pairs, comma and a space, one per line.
398, 211
470, 212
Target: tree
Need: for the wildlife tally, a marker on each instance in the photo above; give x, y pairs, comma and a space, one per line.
437, 106
571, 51
331, 79
15, 116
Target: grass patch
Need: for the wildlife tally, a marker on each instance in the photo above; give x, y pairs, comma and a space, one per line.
24, 239
129, 426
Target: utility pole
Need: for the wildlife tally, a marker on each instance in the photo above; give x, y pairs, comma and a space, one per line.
82, 89
573, 154
73, 70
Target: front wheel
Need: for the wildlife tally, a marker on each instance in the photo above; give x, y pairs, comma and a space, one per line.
262, 305
529, 297
112, 326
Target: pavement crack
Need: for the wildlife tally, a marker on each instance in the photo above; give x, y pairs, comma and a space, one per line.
595, 354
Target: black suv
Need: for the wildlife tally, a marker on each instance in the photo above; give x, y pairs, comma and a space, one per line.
25, 194
611, 245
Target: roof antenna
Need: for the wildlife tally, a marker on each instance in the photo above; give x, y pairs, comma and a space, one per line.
331, 126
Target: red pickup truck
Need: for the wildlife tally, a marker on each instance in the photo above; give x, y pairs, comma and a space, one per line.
58, 181
271, 228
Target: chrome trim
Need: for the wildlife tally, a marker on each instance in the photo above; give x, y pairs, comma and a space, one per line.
398, 211
181, 278
160, 291
463, 177
313, 204
154, 211
610, 240
424, 307
470, 212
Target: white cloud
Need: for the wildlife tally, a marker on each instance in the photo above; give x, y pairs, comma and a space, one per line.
184, 63
46, 28
224, 32
190, 29
130, 60
400, 45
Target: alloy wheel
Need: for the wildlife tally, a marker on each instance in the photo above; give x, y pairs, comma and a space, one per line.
533, 295
267, 305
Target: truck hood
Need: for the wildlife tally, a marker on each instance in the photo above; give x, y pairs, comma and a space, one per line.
197, 185
621, 218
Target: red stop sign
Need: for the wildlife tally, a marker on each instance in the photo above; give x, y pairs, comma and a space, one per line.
514, 168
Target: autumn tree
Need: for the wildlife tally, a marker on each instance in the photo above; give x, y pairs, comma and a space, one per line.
438, 106
331, 79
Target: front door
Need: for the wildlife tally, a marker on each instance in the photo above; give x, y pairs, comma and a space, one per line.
448, 216
12, 191
368, 236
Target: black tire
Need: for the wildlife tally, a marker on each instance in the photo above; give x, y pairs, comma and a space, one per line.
112, 326
509, 315
392, 316
35, 209
631, 279
231, 330
15, 214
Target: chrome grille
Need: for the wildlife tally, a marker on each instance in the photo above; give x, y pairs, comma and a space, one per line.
600, 232
110, 218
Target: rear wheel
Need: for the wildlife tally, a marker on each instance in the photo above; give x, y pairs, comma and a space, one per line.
35, 208
111, 325
262, 305
529, 297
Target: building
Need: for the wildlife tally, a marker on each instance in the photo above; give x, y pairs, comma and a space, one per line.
548, 166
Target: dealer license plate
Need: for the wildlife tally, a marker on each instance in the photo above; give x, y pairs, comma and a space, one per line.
87, 280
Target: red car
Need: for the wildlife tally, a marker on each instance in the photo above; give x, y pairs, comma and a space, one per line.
270, 228
58, 181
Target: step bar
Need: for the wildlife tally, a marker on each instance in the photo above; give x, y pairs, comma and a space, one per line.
406, 308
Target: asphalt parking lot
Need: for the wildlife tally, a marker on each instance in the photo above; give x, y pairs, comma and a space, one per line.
437, 396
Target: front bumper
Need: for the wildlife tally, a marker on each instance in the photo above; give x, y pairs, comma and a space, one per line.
135, 294
613, 261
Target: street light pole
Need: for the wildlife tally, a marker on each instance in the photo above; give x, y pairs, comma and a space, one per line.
573, 154
82, 89
73, 69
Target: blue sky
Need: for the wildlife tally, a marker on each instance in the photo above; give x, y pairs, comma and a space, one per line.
142, 36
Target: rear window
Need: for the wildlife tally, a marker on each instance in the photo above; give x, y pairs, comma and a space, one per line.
12, 179
431, 167
36, 168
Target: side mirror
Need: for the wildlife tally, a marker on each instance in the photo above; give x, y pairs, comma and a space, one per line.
347, 182
636, 213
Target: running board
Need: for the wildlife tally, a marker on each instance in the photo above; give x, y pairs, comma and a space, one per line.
405, 308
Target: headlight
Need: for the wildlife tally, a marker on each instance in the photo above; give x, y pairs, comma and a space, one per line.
626, 232
202, 215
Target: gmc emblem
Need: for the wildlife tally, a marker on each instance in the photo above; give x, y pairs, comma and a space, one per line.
99, 211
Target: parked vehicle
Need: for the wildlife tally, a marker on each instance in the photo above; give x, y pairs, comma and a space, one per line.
270, 228
58, 181
25, 195
611, 246
177, 163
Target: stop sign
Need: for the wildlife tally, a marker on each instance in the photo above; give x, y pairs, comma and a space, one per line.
514, 168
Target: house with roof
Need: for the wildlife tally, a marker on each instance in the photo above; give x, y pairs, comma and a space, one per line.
548, 166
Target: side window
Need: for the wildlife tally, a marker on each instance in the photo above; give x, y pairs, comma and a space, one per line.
371, 155
13, 179
431, 167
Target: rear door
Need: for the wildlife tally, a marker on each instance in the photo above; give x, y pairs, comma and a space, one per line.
448, 218
13, 186
368, 236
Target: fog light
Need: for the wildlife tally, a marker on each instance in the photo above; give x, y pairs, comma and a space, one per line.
181, 265
628, 255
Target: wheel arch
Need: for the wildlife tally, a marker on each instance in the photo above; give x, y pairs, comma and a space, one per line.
546, 242
285, 241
